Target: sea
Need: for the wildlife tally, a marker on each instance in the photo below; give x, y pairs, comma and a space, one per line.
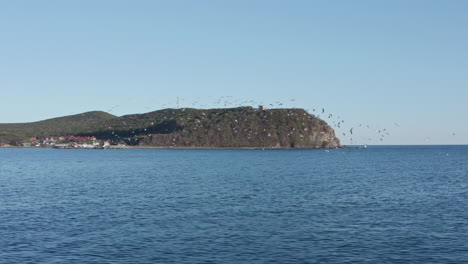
382, 204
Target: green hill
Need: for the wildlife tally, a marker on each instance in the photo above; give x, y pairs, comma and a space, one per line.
241, 127
67, 125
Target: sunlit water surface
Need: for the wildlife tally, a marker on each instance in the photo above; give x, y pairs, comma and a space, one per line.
375, 205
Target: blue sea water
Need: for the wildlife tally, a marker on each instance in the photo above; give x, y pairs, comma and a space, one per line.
388, 204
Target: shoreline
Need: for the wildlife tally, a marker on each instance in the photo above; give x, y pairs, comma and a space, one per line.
184, 148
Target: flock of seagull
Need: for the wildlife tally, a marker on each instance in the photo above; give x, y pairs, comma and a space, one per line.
358, 134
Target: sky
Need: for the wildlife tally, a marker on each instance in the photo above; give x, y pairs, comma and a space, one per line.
396, 65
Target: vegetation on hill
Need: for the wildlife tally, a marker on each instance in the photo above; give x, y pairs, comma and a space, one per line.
67, 125
187, 127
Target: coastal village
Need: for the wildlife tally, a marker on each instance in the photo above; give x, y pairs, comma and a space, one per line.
70, 142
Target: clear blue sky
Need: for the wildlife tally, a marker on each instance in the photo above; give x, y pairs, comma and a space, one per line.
370, 62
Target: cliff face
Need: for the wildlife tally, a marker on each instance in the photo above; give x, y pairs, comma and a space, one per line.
243, 127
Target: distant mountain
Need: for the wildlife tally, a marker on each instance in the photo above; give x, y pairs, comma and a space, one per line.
243, 127
15, 133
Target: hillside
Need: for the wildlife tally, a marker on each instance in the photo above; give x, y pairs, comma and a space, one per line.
233, 127
66, 125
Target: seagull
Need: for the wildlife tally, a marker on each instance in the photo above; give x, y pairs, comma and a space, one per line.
351, 131
323, 110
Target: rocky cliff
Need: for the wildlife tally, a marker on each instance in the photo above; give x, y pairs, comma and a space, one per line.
245, 128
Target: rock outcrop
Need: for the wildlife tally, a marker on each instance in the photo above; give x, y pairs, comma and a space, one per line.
242, 127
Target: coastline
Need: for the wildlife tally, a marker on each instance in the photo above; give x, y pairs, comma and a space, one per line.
183, 148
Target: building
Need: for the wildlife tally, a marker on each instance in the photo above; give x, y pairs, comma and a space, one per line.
262, 107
